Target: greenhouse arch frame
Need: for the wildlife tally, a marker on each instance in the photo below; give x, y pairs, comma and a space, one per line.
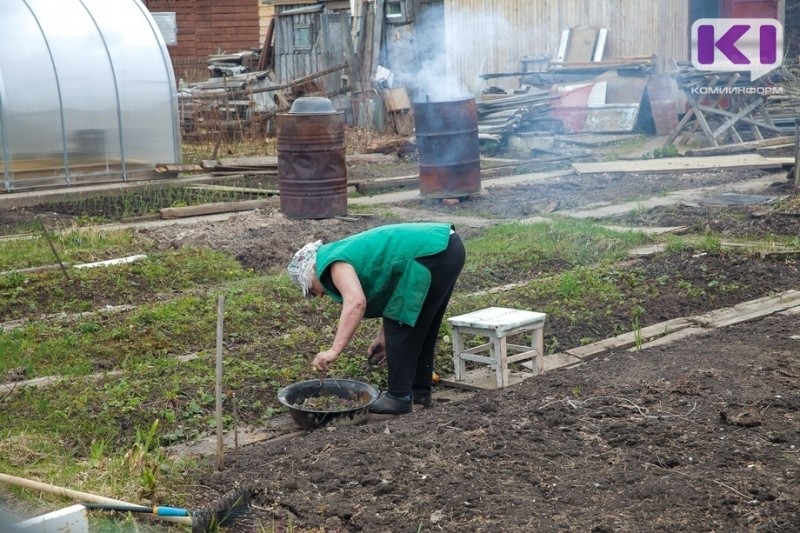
87, 94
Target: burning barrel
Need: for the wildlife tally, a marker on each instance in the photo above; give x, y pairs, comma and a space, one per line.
449, 153
312, 168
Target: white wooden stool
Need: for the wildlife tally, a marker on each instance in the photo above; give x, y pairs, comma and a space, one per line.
498, 323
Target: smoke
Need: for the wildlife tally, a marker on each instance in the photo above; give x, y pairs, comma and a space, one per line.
430, 75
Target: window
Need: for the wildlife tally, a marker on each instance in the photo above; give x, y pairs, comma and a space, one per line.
302, 37
394, 8
398, 12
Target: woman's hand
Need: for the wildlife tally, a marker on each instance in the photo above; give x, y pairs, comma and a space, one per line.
376, 353
323, 360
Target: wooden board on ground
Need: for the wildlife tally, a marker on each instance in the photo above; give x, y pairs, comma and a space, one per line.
684, 164
632, 338
483, 379
555, 361
742, 147
176, 168
671, 337
219, 207
747, 311
256, 161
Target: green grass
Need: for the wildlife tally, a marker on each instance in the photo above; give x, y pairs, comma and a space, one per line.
139, 379
75, 245
503, 251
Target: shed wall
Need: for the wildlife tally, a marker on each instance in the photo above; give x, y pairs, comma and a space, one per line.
329, 34
491, 36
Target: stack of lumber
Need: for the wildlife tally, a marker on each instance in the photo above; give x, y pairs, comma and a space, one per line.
508, 115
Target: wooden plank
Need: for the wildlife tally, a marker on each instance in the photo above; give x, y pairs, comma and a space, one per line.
555, 361
225, 188
742, 118
796, 152
219, 207
670, 338
627, 340
675, 164
600, 48
562, 46
396, 99
701, 119
581, 44
741, 147
167, 167
256, 161
483, 378
748, 311
718, 98
734, 118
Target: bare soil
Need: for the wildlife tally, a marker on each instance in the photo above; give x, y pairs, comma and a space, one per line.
699, 435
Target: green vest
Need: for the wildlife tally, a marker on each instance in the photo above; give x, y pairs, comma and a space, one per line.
394, 284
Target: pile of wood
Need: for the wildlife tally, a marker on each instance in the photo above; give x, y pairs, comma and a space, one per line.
239, 103
227, 103
501, 115
724, 108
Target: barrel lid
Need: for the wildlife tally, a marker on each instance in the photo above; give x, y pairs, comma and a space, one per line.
312, 105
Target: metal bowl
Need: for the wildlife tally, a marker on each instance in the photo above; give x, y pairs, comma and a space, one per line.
292, 396
312, 105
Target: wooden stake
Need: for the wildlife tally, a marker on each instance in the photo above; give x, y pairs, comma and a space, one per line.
220, 441
235, 422
46, 236
796, 152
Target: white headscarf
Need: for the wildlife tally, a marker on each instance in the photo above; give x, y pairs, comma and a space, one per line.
301, 269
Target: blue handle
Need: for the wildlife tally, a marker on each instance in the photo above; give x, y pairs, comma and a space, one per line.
170, 511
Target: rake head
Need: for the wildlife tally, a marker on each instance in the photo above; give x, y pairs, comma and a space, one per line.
234, 503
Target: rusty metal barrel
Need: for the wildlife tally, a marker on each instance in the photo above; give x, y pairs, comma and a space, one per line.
449, 152
312, 167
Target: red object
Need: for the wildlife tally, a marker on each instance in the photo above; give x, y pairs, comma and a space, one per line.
572, 106
761, 9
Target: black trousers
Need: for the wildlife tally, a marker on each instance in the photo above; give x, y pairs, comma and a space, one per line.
410, 350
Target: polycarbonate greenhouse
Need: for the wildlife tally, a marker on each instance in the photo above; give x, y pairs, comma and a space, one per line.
87, 93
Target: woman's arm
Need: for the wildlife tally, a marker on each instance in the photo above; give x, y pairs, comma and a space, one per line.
354, 304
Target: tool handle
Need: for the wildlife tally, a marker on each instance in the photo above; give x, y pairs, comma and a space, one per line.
78, 495
170, 511
126, 507
133, 508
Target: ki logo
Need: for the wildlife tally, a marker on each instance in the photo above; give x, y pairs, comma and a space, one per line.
755, 45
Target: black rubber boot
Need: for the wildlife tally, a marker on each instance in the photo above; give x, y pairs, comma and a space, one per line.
389, 405
423, 398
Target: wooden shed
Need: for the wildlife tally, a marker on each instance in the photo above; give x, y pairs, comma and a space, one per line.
312, 37
489, 37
